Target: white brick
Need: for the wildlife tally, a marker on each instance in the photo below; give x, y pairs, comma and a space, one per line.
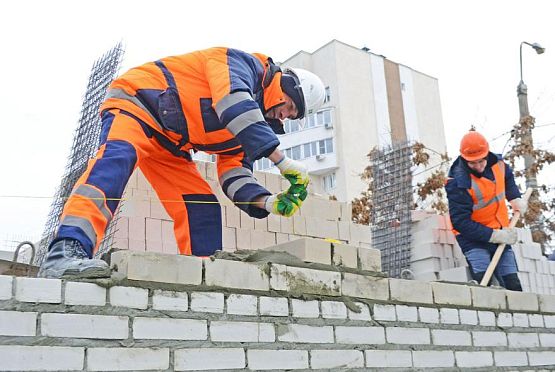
359, 335
305, 309
540, 358
468, 316
307, 249
505, 320
41, 358
469, 359
38, 290
336, 359
520, 320
411, 291
209, 358
229, 331
301, 333
345, 255
428, 315
536, 320
486, 318
488, 298
127, 359
208, 302
449, 316
547, 339
136, 298
489, 338
5, 287
388, 358
520, 340
170, 300
402, 335
277, 359
77, 293
549, 321
450, 337
236, 274
239, 304
510, 358
16, 323
368, 287
274, 306
169, 329
363, 314
432, 359
334, 310
84, 326
305, 281
406, 313
384, 312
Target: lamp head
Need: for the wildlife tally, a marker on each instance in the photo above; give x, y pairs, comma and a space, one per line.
538, 48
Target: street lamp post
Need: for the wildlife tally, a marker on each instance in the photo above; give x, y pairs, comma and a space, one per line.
522, 93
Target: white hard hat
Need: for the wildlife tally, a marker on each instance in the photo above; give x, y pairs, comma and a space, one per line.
305, 88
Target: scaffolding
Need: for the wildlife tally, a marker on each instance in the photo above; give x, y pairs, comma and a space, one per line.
85, 143
392, 201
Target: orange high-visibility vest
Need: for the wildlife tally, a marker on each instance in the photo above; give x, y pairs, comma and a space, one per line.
489, 207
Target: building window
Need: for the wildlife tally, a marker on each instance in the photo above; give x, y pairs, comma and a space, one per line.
329, 182
328, 95
296, 152
320, 118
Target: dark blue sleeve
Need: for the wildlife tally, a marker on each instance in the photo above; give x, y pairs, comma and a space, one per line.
460, 212
511, 189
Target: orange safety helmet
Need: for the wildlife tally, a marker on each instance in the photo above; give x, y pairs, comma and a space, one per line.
474, 146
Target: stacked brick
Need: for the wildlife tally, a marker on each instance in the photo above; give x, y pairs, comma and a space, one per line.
536, 273
143, 224
193, 315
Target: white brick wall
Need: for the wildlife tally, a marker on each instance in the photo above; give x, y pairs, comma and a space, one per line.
238, 304
38, 290
540, 358
486, 318
209, 358
536, 320
547, 339
451, 337
334, 310
359, 335
169, 329
468, 316
84, 326
235, 274
523, 340
520, 320
84, 294
337, 359
432, 358
209, 302
474, 359
170, 300
133, 297
274, 306
301, 333
127, 359
304, 309
41, 358
402, 335
449, 316
428, 315
233, 331
15, 323
277, 359
5, 287
489, 338
384, 312
388, 358
364, 313
406, 313
510, 358
505, 320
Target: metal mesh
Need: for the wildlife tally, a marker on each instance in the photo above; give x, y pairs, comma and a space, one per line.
392, 201
85, 143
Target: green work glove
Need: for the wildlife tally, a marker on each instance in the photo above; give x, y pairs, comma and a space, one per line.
294, 171
283, 204
298, 191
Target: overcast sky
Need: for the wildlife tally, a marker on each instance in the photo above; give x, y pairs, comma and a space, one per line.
48, 48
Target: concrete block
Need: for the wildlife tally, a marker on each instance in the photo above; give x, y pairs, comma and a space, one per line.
209, 358
428, 264
367, 287
428, 276
236, 274
305, 309
38, 290
345, 255
359, 335
132, 297
160, 268
301, 333
239, 304
505, 320
6, 287
336, 359
520, 320
448, 316
346, 212
274, 306
333, 310
388, 358
17, 323
421, 251
451, 337
274, 224
84, 326
486, 318
277, 359
363, 314
247, 222
344, 231
428, 315
489, 338
510, 358
473, 359
122, 228
451, 294
233, 217
127, 359
522, 301
137, 245
411, 291
360, 233
406, 313
488, 298
305, 281
306, 249
158, 211
281, 238
229, 242
243, 238
170, 300
370, 259
84, 294
541, 358
286, 224
233, 331
456, 274
169, 329
522, 340
384, 312
432, 358
209, 302
261, 224
299, 225
536, 320
41, 358
412, 336
547, 303
469, 317
321, 228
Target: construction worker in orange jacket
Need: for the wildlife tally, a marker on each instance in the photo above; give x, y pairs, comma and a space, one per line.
221, 101
478, 184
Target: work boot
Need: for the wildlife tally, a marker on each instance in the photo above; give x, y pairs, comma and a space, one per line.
67, 259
